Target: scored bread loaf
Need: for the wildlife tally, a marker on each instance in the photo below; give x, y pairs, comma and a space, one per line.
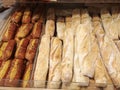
67, 57
50, 23
109, 25
60, 27
78, 78
54, 76
41, 69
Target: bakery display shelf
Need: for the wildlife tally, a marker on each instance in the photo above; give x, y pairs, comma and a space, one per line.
66, 11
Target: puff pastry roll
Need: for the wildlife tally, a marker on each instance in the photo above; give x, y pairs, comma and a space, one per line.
4, 70
10, 32
24, 30
54, 76
15, 73
60, 28
17, 15
27, 16
37, 29
41, 68
27, 75
36, 14
9, 50
31, 50
21, 49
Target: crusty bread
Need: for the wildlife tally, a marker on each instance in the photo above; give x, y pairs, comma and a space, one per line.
41, 69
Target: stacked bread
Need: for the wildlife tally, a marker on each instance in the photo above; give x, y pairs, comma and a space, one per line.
19, 45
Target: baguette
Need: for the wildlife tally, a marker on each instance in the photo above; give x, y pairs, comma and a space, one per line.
24, 30
101, 79
8, 50
27, 76
10, 32
21, 49
31, 50
50, 23
4, 70
109, 25
60, 28
37, 29
88, 47
26, 16
111, 55
14, 74
78, 78
41, 68
67, 58
17, 15
54, 76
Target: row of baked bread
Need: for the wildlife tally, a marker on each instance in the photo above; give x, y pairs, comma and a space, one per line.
19, 46
82, 50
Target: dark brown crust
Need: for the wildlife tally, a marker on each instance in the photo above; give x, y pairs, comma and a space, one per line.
17, 64
28, 67
37, 29
31, 50
8, 50
1, 68
10, 32
27, 16
21, 49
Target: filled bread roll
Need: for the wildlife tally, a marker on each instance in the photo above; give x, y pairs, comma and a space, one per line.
4, 70
17, 15
37, 29
54, 76
21, 49
27, 16
31, 50
41, 69
9, 50
24, 30
10, 32
15, 73
27, 75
